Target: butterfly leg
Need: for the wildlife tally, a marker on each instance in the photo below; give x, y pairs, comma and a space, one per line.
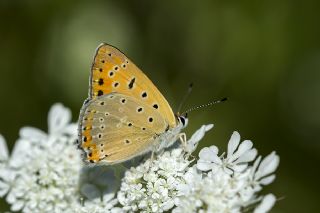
183, 139
152, 158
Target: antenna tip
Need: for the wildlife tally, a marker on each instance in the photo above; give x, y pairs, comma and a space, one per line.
224, 99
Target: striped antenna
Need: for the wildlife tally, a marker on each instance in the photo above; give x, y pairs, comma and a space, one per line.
205, 105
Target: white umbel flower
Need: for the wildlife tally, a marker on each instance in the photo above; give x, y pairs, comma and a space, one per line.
152, 186
227, 184
46, 166
45, 174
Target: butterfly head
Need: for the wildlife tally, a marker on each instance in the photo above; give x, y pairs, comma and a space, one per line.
183, 120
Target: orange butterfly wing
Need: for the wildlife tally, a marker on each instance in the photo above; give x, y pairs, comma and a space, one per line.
112, 71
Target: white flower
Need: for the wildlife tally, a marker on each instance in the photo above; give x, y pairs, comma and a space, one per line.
262, 175
152, 186
45, 174
226, 184
46, 167
237, 157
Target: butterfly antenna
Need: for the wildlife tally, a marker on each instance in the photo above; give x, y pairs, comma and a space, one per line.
185, 97
205, 105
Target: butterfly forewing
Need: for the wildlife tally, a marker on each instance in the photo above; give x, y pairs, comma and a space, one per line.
112, 71
117, 127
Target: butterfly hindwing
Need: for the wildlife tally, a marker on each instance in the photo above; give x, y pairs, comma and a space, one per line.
117, 127
112, 71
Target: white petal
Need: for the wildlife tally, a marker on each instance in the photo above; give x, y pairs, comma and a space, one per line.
267, 180
204, 165
166, 206
4, 188
71, 129
233, 143
18, 153
266, 204
198, 135
16, 206
255, 165
208, 127
183, 189
247, 157
4, 153
209, 154
32, 134
268, 165
240, 168
59, 116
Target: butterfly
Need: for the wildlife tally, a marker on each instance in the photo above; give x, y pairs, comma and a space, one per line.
125, 114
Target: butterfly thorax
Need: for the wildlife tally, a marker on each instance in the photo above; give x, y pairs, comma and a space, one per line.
168, 138
171, 135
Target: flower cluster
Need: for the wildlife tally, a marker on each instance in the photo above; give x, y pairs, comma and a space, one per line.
44, 173
227, 184
212, 184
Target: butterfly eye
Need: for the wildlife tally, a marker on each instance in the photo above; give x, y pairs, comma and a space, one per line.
183, 120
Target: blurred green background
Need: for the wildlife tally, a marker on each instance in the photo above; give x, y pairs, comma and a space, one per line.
263, 55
